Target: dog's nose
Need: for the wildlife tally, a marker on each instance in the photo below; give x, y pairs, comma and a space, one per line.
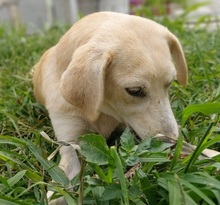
171, 132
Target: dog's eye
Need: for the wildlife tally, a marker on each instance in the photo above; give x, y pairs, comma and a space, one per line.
136, 91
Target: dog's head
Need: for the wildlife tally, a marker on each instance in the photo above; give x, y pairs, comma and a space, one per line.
127, 75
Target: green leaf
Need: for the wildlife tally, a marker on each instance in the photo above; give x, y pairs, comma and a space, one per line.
95, 149
132, 160
128, 149
157, 145
97, 193
206, 109
144, 145
127, 142
112, 191
135, 192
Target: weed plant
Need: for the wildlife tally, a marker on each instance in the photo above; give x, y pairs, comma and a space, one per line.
149, 172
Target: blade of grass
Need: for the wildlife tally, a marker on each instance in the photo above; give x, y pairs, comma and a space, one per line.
30, 187
174, 193
11, 182
197, 191
12, 140
196, 153
121, 176
208, 108
177, 153
211, 142
8, 201
55, 172
203, 178
68, 198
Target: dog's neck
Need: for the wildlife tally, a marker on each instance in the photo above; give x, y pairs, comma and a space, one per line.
104, 125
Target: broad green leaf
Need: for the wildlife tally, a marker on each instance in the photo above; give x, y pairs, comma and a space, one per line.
127, 142
112, 191
97, 194
95, 149
206, 109
158, 145
128, 149
144, 145
132, 160
135, 194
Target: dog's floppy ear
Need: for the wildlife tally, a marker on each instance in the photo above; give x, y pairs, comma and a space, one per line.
179, 58
82, 84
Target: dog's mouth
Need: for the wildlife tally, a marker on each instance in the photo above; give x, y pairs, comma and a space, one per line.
136, 137
165, 138
158, 136
115, 135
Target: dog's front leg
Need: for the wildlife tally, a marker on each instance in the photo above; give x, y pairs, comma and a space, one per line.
67, 129
69, 161
70, 164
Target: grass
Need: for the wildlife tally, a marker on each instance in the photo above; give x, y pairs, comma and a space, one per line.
161, 176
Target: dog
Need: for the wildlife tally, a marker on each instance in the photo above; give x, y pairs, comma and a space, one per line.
109, 70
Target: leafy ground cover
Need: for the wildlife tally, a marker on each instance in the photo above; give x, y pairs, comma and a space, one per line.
148, 172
